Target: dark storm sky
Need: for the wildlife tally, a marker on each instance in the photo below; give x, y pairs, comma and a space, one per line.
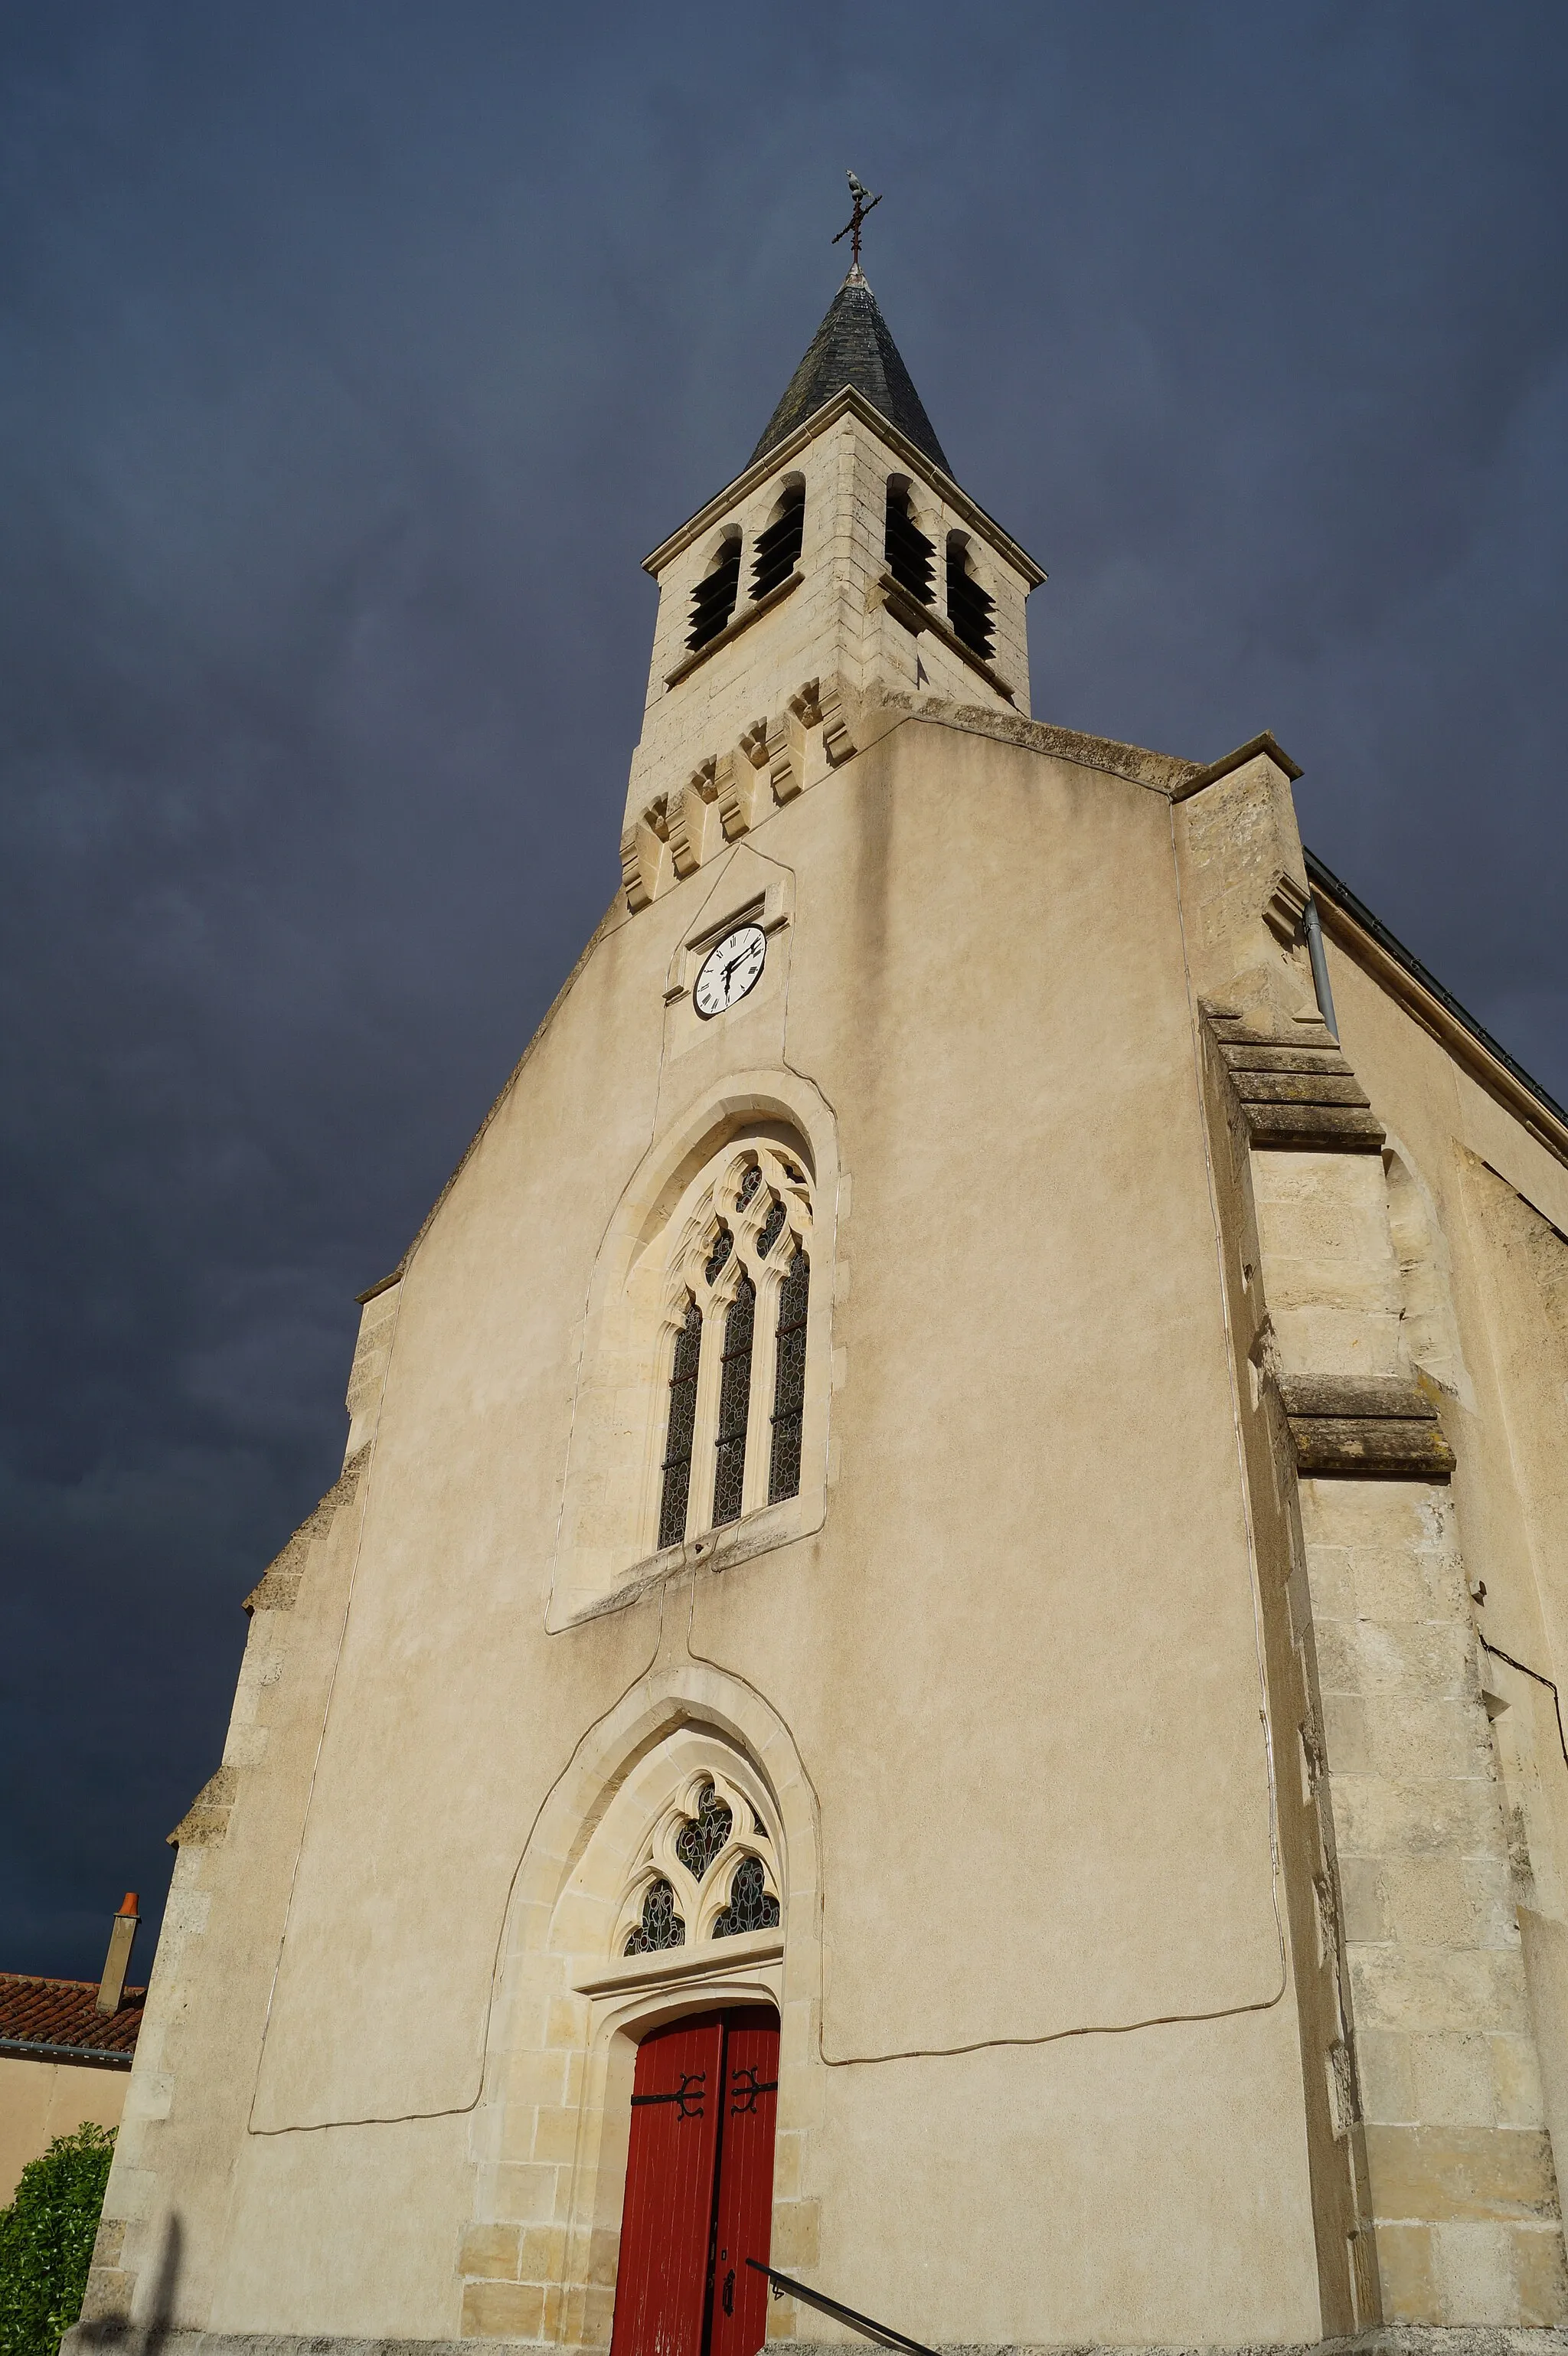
352, 356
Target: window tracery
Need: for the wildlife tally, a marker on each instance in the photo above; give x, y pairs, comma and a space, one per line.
737, 1273
707, 1873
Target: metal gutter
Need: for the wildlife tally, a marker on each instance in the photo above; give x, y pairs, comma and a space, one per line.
100, 2057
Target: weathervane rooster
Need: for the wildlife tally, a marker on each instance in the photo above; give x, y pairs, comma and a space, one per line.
862, 200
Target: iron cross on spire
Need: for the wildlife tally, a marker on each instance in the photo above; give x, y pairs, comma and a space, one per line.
863, 201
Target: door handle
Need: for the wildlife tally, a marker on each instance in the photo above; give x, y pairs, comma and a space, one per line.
729, 2291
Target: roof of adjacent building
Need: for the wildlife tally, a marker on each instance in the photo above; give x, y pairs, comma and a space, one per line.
854, 346
59, 2020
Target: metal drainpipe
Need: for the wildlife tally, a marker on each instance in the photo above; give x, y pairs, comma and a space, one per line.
1320, 967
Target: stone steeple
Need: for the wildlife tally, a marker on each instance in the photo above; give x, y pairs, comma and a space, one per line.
853, 346
843, 578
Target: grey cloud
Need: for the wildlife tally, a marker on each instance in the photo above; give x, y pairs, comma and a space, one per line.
349, 361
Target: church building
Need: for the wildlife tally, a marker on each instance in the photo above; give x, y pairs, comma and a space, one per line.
928, 1706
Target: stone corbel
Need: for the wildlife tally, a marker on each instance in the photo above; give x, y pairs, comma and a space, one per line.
643, 850
807, 706
836, 741
1285, 910
688, 816
786, 753
1365, 1427
820, 709
742, 783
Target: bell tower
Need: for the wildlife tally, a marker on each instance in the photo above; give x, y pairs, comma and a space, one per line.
841, 579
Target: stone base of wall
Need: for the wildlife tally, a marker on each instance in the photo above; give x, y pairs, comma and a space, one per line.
1398, 2340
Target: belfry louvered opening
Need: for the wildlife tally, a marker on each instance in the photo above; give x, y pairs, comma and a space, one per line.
778, 547
713, 599
908, 553
969, 607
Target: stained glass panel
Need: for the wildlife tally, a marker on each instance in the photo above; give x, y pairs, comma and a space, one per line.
718, 1254
661, 1926
749, 1186
678, 1431
752, 1907
703, 1836
772, 1228
789, 1381
734, 1405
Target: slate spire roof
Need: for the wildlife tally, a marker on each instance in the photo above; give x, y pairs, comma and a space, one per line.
853, 346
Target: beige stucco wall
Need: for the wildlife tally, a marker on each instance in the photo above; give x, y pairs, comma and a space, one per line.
40, 2100
1046, 1987
1065, 1707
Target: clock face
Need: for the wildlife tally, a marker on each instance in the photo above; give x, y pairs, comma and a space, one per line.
729, 970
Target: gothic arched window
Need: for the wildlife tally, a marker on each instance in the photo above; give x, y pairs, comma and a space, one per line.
713, 599
706, 1871
969, 607
778, 547
736, 1292
909, 552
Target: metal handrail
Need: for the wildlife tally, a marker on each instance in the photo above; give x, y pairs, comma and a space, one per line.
883, 2333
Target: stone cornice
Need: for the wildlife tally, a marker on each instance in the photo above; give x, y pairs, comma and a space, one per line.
1365, 1427
1211, 774
1296, 1094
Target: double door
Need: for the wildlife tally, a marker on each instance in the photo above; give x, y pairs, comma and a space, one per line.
699, 2188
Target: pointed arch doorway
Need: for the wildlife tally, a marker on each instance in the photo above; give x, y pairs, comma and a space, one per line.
700, 2183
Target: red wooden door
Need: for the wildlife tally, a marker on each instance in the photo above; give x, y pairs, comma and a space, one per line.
743, 2218
700, 2186
666, 2226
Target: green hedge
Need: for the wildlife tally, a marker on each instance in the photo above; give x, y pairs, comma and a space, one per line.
46, 2241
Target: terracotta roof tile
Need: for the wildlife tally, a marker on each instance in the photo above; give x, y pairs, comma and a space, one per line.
52, 2019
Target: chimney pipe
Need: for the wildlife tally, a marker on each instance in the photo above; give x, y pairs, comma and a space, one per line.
117, 1963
